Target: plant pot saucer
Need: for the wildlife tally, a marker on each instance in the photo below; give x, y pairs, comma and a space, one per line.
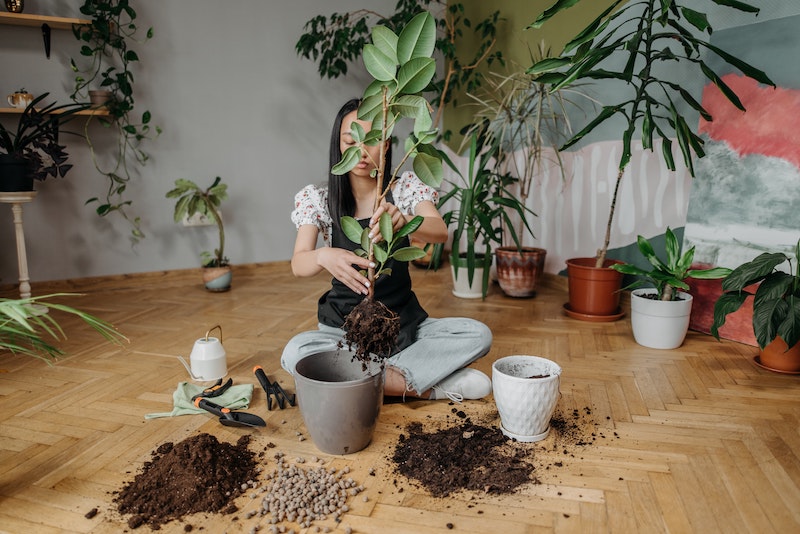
757, 361
524, 439
593, 318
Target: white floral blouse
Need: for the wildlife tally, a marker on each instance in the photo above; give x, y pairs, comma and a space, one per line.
311, 203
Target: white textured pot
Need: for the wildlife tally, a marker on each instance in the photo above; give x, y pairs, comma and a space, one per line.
526, 392
660, 324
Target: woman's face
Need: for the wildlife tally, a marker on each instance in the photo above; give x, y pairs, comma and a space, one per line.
369, 154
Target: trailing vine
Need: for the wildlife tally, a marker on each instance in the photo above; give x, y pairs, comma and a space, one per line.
107, 61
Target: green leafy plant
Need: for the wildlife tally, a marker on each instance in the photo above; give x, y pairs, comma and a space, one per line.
337, 40
106, 46
36, 139
667, 276
482, 198
192, 200
645, 34
24, 326
776, 302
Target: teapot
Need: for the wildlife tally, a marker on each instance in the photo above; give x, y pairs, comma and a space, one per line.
19, 99
207, 358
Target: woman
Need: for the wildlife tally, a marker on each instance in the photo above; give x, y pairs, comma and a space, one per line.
431, 354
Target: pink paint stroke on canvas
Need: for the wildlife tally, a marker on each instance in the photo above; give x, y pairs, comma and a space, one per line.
769, 127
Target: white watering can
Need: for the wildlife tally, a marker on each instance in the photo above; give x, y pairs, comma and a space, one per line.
207, 358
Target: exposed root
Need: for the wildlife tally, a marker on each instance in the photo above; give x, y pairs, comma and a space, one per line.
371, 330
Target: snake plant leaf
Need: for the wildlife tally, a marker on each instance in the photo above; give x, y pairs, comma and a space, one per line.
378, 64
417, 39
350, 159
351, 229
429, 169
415, 75
385, 226
408, 254
386, 41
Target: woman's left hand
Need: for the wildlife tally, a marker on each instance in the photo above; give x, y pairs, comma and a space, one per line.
398, 220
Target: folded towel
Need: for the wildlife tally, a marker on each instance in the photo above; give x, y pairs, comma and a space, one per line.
235, 397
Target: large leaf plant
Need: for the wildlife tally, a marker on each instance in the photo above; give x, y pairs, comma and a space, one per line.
643, 35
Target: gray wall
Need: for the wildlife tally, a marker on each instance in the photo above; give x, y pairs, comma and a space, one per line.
224, 82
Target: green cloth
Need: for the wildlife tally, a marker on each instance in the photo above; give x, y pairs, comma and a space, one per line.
235, 397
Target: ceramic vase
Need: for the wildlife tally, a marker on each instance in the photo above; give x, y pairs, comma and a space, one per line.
526, 392
519, 271
340, 399
660, 324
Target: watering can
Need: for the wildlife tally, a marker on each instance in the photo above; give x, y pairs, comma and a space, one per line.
207, 358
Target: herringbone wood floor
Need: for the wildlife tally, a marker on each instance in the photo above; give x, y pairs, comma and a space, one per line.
704, 441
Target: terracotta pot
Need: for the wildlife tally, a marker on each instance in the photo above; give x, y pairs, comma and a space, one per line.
593, 292
775, 357
519, 271
217, 278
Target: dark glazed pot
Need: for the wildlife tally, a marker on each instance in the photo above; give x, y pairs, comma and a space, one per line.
519, 271
14, 174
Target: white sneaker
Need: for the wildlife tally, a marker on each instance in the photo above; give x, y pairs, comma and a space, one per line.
463, 384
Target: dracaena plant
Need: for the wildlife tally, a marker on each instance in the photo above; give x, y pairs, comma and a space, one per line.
668, 276
642, 36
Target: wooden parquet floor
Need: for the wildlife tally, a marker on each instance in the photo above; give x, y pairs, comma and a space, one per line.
697, 439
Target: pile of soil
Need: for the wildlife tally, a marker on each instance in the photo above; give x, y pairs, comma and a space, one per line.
480, 458
467, 456
198, 474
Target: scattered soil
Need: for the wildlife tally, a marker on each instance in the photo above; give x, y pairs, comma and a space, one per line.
371, 329
480, 458
199, 474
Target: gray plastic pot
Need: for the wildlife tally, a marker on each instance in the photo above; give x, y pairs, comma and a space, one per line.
339, 400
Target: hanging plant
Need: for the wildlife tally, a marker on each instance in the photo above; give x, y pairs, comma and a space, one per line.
105, 46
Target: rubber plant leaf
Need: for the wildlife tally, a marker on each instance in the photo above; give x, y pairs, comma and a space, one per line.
385, 225
408, 254
410, 227
429, 169
415, 75
351, 229
385, 40
350, 159
417, 39
378, 64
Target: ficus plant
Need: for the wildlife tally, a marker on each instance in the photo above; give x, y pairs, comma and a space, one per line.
642, 36
402, 68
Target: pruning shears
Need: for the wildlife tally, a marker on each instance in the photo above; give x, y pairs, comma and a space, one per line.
226, 416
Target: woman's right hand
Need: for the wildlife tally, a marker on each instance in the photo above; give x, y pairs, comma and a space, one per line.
346, 267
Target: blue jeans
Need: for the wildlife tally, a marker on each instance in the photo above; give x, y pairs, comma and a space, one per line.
443, 346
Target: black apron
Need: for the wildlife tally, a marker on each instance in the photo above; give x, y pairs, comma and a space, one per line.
393, 290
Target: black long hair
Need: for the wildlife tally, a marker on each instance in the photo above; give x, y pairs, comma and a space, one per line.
341, 201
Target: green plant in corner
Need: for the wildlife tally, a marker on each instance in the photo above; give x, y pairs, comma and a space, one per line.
776, 302
23, 326
645, 35
668, 276
193, 200
106, 44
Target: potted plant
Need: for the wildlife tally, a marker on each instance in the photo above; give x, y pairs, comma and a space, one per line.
192, 200
776, 307
481, 196
24, 323
660, 314
104, 77
645, 35
33, 151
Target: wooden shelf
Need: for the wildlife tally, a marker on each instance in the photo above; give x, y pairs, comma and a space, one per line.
18, 111
56, 23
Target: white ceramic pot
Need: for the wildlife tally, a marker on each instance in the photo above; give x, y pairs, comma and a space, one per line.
461, 286
526, 392
660, 324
